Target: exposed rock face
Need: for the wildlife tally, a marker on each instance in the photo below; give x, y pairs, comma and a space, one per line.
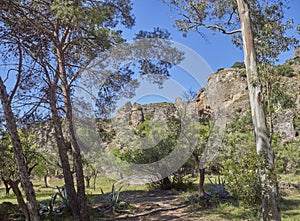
297, 52
225, 92
136, 113
283, 124
124, 113
225, 95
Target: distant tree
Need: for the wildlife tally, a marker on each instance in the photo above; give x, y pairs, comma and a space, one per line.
9, 171
160, 142
238, 64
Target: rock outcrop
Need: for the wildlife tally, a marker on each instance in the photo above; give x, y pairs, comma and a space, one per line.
297, 53
225, 92
137, 113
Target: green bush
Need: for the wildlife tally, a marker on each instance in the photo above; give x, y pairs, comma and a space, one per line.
238, 64
240, 163
284, 70
287, 157
296, 123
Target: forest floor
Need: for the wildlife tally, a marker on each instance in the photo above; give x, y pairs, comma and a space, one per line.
154, 205
143, 204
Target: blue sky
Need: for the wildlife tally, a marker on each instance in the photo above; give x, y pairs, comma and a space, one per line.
218, 51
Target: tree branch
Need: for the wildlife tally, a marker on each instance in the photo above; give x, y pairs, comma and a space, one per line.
216, 26
220, 28
20, 66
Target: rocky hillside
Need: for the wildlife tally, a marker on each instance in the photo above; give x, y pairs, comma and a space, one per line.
226, 95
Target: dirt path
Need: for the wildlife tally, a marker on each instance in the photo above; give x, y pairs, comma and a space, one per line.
153, 205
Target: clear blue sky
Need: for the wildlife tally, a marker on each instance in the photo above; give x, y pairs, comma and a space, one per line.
218, 52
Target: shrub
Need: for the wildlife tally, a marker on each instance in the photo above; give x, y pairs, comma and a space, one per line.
238, 64
241, 163
285, 70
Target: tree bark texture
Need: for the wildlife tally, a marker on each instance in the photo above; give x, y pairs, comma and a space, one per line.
270, 208
77, 159
20, 200
201, 182
201, 172
62, 151
18, 153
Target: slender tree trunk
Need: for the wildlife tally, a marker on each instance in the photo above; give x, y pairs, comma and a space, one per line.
7, 186
62, 151
201, 176
46, 181
95, 177
88, 179
21, 202
270, 204
18, 153
84, 215
201, 182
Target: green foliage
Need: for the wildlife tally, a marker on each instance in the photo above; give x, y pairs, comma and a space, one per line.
8, 167
267, 18
276, 92
240, 163
160, 137
285, 100
159, 140
296, 123
287, 157
238, 64
284, 70
243, 180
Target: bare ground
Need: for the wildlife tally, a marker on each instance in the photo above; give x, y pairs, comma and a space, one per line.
151, 205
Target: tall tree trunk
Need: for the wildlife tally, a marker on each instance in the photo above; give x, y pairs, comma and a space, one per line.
270, 204
84, 215
62, 151
21, 202
18, 153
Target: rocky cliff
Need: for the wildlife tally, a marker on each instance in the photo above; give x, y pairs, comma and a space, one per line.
225, 95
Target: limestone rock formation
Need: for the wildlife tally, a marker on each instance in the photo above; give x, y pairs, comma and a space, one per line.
225, 92
297, 52
137, 113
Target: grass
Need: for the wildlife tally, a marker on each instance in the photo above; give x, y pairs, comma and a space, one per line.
43, 193
290, 203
